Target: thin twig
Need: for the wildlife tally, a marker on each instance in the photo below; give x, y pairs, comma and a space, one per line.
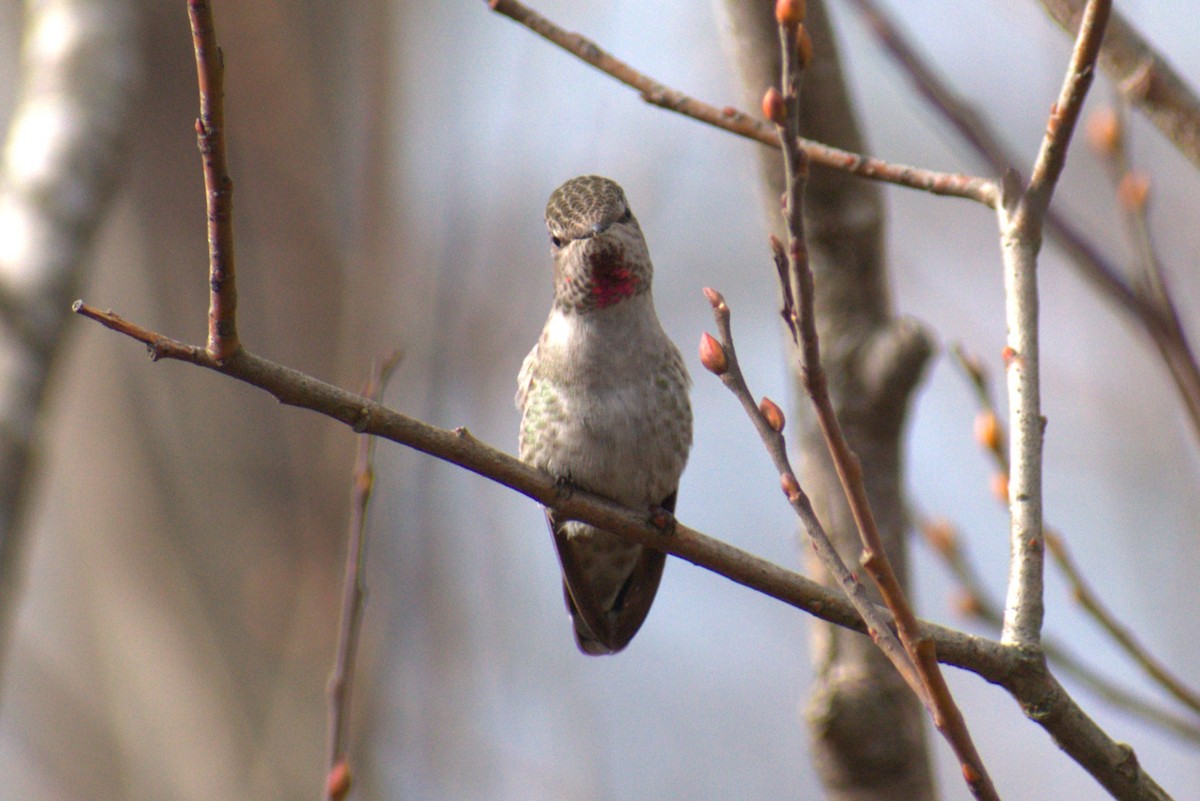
1157, 320
218, 186
1132, 190
1021, 218
799, 294
341, 680
1108, 135
991, 435
726, 367
976, 603
1119, 632
738, 122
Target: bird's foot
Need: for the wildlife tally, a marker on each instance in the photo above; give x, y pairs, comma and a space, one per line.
662, 519
563, 489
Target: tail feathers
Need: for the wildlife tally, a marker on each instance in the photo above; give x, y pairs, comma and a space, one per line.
605, 621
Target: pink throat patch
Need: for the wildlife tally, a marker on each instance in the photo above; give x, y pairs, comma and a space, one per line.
612, 281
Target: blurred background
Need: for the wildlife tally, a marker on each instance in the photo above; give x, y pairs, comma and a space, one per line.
181, 569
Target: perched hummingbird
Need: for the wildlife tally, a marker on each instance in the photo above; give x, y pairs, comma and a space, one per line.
604, 405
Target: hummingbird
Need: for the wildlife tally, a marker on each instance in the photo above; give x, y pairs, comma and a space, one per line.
604, 406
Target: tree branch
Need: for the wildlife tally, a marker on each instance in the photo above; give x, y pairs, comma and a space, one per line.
218, 186
738, 122
1038, 693
1021, 219
354, 592
1144, 77
1018, 670
1155, 318
975, 603
992, 437
800, 298
721, 359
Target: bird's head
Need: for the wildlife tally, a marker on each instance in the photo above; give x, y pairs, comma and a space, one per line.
600, 255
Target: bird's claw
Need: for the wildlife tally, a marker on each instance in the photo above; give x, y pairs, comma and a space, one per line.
563, 489
663, 520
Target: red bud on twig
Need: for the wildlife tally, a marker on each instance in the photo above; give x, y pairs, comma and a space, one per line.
712, 355
772, 106
790, 12
772, 414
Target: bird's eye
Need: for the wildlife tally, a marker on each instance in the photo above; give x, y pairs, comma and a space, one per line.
556, 241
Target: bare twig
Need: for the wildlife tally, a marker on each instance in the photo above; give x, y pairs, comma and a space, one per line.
1021, 219
218, 186
1158, 321
975, 602
1119, 632
1132, 190
991, 439
721, 359
1108, 135
1143, 76
738, 122
799, 294
341, 680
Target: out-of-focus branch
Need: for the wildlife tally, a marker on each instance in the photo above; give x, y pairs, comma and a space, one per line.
79, 75
975, 603
1144, 77
1153, 315
738, 122
354, 593
1120, 633
991, 437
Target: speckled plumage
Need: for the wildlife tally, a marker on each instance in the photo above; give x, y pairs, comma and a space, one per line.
604, 402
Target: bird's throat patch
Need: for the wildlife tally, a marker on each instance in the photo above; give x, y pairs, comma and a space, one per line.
612, 279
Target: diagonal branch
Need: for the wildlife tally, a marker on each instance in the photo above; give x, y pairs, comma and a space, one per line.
721, 359
459, 447
738, 122
1112, 764
976, 603
1144, 77
799, 302
1154, 316
992, 436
